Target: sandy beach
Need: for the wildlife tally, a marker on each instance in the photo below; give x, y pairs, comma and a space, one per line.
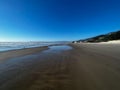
4, 55
65, 67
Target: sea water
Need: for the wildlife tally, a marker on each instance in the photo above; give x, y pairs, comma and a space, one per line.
4, 46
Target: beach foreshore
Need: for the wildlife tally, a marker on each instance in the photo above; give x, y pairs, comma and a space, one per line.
4, 55
84, 67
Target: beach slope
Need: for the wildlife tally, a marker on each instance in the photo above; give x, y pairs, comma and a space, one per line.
84, 67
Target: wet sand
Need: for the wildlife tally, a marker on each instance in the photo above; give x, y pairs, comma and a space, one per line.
4, 55
73, 67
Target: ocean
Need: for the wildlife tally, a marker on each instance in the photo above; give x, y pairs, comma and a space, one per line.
5, 46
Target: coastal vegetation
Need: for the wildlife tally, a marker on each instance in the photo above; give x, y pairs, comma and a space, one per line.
103, 38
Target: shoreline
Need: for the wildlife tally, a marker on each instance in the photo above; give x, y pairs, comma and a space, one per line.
32, 47
4, 55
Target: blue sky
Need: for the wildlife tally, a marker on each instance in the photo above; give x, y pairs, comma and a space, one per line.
57, 20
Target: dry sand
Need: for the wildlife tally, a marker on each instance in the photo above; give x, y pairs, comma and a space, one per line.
97, 66
85, 67
112, 42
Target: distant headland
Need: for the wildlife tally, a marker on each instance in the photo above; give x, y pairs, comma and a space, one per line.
102, 38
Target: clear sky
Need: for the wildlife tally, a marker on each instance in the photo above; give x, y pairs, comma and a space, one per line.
54, 20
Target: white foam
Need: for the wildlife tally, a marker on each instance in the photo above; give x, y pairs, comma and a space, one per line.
4, 46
